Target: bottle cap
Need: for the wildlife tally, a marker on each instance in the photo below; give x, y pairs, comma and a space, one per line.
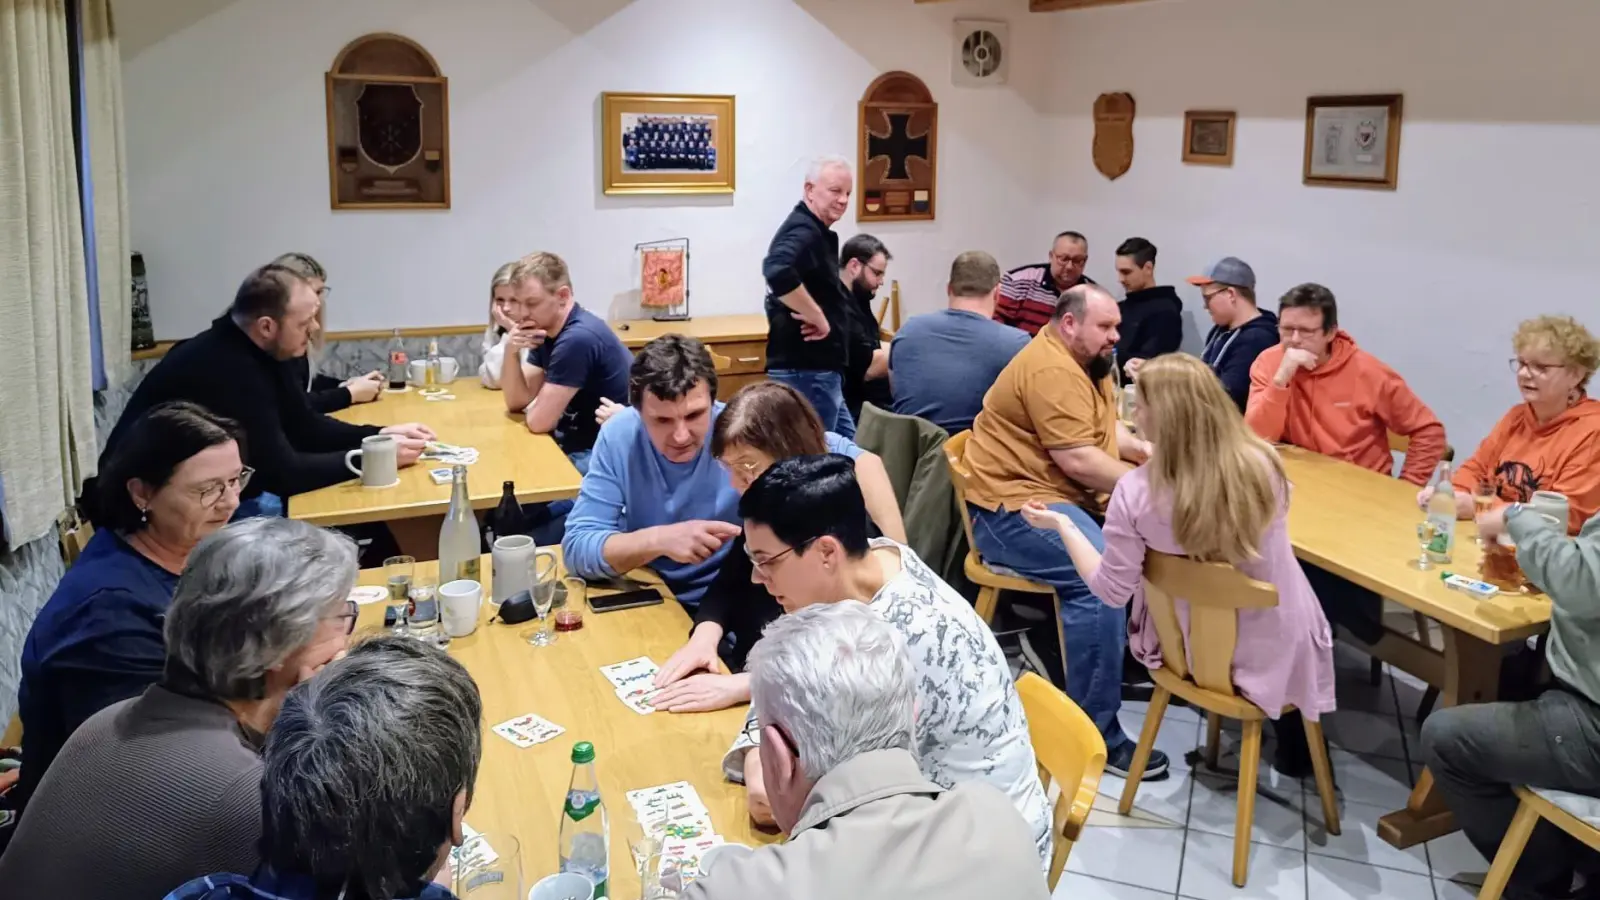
583, 752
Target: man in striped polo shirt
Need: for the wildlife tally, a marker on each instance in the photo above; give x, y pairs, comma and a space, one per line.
1028, 295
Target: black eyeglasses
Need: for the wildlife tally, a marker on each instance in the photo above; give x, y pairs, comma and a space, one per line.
762, 565
352, 612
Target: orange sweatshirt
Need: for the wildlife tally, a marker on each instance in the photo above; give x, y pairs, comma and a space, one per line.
1345, 408
1522, 456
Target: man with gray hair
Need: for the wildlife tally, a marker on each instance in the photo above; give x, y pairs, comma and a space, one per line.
393, 730
942, 363
833, 693
156, 790
808, 305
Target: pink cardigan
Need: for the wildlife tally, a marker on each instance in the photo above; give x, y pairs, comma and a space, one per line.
1284, 655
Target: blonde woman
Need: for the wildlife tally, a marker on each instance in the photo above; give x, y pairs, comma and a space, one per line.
500, 325
1212, 490
328, 394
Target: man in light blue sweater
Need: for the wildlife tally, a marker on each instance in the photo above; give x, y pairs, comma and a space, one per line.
654, 495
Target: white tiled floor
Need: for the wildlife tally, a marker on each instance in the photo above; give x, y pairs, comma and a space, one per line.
1179, 842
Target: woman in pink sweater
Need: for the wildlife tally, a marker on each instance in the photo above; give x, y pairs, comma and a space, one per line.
1212, 490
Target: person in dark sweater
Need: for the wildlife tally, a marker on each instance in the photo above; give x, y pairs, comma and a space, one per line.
1241, 330
159, 789
863, 266
235, 369
761, 424
97, 640
808, 307
327, 394
1152, 314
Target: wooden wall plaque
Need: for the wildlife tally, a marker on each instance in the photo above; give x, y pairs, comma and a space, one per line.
388, 126
897, 150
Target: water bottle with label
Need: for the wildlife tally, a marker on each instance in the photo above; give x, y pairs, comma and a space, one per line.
585, 836
1442, 517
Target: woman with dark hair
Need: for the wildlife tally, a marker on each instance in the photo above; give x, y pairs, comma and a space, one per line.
328, 394
175, 478
762, 423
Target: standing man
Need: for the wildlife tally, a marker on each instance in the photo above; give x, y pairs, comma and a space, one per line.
808, 307
941, 364
568, 358
863, 266
1152, 315
1028, 295
1049, 431
1239, 330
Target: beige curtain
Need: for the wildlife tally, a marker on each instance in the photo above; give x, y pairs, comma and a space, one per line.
108, 169
47, 444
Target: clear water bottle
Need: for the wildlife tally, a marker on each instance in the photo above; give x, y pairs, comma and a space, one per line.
459, 547
1442, 517
585, 835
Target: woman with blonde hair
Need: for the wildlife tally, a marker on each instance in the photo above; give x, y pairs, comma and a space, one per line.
500, 325
1214, 491
1551, 440
327, 394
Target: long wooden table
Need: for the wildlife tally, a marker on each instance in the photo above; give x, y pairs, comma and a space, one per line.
1362, 526
477, 417
522, 790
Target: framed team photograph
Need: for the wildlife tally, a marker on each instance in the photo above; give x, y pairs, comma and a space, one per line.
667, 143
1208, 137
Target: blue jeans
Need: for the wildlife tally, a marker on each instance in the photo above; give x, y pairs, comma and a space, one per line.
261, 506
825, 390
1096, 635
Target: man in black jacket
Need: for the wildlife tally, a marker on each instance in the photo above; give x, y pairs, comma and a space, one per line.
808, 315
1241, 330
863, 266
1152, 315
237, 369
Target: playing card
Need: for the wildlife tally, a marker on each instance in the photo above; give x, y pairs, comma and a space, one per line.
526, 731
483, 854
638, 698
651, 797
684, 855
673, 806
630, 672
505, 730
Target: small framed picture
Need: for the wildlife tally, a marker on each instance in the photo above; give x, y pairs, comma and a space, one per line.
1208, 137
667, 143
1353, 141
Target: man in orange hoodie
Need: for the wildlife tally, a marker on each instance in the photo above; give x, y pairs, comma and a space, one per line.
1318, 390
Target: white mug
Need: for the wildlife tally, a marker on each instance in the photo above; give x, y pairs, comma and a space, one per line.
722, 852
564, 886
418, 370
448, 369
511, 558
459, 606
379, 466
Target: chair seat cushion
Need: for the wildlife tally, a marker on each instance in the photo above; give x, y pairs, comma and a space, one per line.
1580, 806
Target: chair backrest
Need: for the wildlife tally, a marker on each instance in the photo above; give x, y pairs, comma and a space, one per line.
955, 453
1401, 444
75, 535
719, 362
1215, 593
1069, 749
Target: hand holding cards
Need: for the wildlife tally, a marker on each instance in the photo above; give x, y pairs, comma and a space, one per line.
634, 681
525, 731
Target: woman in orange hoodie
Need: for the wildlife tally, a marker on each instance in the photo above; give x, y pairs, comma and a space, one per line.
1550, 441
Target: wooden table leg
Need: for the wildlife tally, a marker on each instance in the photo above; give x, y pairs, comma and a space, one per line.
1472, 675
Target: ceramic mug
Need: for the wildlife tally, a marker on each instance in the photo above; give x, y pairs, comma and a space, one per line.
379, 466
1552, 508
417, 370
448, 369
459, 604
563, 886
511, 559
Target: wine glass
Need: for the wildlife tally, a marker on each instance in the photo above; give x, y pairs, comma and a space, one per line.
1426, 532
543, 596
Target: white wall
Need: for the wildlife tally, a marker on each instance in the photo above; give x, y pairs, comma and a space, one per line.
1498, 209
228, 152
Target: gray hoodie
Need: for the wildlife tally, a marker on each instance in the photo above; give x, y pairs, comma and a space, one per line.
1569, 571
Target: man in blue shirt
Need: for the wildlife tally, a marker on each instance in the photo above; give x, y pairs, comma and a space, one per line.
572, 358
942, 363
653, 494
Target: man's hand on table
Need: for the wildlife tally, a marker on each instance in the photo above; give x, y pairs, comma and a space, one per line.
365, 388
414, 430
693, 541
408, 450
1492, 524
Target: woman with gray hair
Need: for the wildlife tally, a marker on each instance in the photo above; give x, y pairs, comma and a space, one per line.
833, 694
153, 791
393, 730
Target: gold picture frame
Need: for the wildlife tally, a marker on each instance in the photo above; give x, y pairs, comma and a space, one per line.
667, 143
1353, 141
1208, 137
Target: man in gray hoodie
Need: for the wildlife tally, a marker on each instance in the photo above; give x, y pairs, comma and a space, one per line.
1479, 751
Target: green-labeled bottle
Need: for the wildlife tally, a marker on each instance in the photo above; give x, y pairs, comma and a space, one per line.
585, 835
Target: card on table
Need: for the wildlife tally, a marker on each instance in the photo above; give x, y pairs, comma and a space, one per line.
678, 793
639, 698
630, 672
526, 731
684, 855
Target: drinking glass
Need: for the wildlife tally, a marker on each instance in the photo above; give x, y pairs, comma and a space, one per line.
398, 573
542, 577
570, 616
661, 878
1483, 497
1426, 531
488, 866
425, 620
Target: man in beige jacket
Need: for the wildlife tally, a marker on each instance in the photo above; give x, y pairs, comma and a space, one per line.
832, 690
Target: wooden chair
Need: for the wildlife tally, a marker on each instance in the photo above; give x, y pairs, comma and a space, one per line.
75, 535
13, 735
720, 363
990, 581
890, 311
1215, 593
1070, 750
1575, 814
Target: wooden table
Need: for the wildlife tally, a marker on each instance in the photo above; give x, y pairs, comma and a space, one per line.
522, 790
1362, 526
476, 418
741, 338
